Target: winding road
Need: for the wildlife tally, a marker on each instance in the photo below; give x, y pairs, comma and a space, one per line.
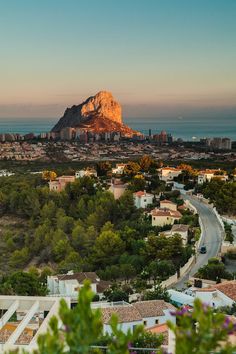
211, 238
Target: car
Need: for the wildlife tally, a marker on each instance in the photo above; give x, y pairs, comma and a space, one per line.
203, 250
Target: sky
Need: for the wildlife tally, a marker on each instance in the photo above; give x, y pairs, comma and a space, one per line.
158, 57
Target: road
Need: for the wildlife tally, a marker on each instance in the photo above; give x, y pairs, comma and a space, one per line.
212, 237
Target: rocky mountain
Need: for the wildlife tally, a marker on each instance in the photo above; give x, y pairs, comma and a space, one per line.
99, 113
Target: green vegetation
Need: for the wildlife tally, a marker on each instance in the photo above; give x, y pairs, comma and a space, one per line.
203, 331
82, 328
22, 283
85, 229
214, 270
200, 331
228, 233
221, 194
158, 293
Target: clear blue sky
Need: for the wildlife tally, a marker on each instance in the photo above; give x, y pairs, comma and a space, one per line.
158, 57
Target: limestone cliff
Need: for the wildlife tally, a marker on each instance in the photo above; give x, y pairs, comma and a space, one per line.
99, 113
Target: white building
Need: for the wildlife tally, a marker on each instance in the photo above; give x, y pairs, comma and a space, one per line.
180, 299
161, 217
117, 187
89, 172
167, 174
147, 313
5, 173
208, 175
218, 295
70, 284
182, 230
33, 314
142, 199
119, 169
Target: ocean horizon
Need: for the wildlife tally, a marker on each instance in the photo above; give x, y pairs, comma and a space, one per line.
187, 129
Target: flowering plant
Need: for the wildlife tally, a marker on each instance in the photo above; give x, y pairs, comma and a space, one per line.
201, 330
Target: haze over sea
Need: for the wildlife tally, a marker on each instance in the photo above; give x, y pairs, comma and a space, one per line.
179, 127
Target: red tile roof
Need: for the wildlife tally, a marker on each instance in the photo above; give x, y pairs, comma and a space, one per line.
166, 212
142, 193
227, 287
152, 308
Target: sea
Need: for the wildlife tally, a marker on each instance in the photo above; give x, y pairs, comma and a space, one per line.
186, 128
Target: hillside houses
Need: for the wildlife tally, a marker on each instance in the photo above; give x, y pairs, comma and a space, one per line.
208, 175
215, 295
166, 214
142, 199
180, 229
59, 184
117, 187
168, 204
88, 172
70, 284
146, 313
168, 174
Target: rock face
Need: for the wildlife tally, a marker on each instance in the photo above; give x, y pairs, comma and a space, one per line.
98, 113
103, 104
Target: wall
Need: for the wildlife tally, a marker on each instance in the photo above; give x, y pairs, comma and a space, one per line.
124, 326
186, 267
170, 281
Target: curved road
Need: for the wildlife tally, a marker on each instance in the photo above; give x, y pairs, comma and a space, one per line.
212, 237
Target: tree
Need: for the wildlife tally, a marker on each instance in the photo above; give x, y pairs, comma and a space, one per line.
108, 247
103, 167
49, 175
146, 162
72, 261
158, 293
202, 331
19, 258
65, 223
214, 270
127, 271
48, 211
22, 283
137, 183
161, 270
131, 168
116, 294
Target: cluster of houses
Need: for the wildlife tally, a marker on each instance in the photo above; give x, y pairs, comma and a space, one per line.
166, 174
32, 314
208, 291
59, 184
153, 314
169, 174
208, 175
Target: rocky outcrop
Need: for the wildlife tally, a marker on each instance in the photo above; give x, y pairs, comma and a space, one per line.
104, 105
96, 108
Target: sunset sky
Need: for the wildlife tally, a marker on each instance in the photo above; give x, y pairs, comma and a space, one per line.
157, 57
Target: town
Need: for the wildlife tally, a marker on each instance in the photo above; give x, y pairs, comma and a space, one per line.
177, 263
63, 150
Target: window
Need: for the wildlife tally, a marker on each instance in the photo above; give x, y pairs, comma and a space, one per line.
157, 321
144, 323
145, 200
